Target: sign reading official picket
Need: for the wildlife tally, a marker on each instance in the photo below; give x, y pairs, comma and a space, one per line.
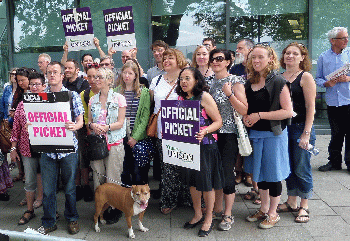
120, 30
180, 123
77, 25
47, 114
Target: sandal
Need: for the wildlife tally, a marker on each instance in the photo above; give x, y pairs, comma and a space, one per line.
23, 220
166, 211
288, 208
257, 201
37, 203
23, 202
18, 178
298, 219
252, 195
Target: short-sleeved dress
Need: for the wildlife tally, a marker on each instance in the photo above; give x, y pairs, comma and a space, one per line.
211, 174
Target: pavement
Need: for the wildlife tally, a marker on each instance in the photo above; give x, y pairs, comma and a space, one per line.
329, 214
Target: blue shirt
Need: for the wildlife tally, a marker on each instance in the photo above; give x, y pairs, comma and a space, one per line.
6, 101
328, 62
78, 109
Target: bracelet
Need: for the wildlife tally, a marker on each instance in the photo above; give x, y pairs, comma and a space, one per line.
12, 149
230, 95
307, 132
207, 131
259, 116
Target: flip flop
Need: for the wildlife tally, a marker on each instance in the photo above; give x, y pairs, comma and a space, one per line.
307, 216
288, 208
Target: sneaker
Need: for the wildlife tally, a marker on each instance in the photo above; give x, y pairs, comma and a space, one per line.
44, 230
217, 216
269, 222
73, 227
88, 194
258, 215
226, 223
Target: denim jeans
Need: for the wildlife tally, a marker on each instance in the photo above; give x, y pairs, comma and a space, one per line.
49, 174
299, 183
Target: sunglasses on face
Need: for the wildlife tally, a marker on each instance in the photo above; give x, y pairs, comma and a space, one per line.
217, 59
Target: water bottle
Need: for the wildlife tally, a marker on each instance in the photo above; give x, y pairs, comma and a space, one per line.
312, 149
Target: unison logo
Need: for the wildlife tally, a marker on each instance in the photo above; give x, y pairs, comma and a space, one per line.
179, 154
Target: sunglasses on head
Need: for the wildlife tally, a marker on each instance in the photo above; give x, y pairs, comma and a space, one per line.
217, 59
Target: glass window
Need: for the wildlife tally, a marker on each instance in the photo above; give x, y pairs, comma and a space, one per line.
274, 21
184, 23
38, 24
3, 46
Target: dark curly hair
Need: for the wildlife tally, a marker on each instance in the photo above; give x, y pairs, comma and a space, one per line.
198, 88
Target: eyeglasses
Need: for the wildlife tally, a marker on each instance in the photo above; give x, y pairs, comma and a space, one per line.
52, 73
343, 38
35, 85
217, 59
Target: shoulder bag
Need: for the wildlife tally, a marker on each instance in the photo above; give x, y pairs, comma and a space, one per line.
5, 135
244, 146
152, 123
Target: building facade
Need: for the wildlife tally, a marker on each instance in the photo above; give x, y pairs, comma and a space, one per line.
31, 27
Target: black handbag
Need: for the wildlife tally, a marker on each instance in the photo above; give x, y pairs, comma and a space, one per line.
96, 147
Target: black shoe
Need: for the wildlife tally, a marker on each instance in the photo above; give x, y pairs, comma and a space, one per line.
189, 225
155, 194
4, 197
88, 194
79, 193
202, 233
112, 215
329, 167
73, 227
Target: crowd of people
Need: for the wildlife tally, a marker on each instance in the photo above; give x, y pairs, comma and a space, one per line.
277, 108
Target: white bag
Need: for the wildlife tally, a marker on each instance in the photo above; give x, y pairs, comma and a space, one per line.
244, 147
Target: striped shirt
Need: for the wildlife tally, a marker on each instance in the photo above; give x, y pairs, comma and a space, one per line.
132, 105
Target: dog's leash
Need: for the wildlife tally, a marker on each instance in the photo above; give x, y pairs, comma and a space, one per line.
117, 182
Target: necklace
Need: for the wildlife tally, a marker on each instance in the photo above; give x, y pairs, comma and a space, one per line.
170, 81
290, 77
206, 72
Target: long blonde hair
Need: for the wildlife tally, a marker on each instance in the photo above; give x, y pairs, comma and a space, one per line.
253, 75
136, 86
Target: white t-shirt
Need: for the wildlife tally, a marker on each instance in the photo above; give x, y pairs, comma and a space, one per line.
160, 93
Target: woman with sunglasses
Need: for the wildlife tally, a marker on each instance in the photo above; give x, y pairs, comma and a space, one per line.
228, 92
269, 110
200, 61
295, 60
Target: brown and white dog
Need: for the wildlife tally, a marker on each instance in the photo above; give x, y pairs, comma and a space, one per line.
131, 201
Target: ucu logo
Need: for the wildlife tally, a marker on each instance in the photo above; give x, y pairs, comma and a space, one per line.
32, 97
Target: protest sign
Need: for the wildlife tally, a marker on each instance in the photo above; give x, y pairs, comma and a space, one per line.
47, 114
120, 31
180, 123
77, 25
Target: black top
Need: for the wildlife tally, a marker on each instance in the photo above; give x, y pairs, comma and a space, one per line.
238, 70
298, 100
258, 101
78, 85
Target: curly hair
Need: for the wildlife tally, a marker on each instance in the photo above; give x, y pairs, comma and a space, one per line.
305, 64
194, 58
198, 88
180, 58
253, 75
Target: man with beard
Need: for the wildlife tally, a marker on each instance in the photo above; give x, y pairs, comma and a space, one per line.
243, 48
72, 81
